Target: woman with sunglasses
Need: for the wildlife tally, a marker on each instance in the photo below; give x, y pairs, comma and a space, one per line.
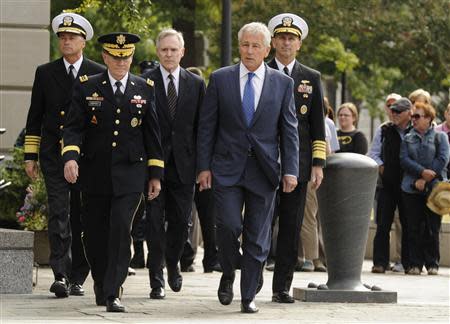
424, 155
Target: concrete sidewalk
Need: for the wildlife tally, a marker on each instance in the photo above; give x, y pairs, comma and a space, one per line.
421, 299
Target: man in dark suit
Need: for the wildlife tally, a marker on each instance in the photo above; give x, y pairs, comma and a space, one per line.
179, 94
288, 31
247, 120
50, 100
112, 132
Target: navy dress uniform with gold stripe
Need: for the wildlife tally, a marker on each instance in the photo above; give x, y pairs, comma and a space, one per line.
117, 146
50, 101
308, 97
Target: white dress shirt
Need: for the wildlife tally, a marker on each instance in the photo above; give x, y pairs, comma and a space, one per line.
166, 80
76, 66
257, 81
113, 82
281, 66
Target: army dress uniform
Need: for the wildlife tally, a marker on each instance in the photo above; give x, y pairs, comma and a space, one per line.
116, 142
50, 102
308, 97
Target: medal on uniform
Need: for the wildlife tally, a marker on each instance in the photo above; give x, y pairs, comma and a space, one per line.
303, 109
94, 120
134, 122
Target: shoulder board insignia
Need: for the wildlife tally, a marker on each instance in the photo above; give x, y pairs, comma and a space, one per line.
132, 83
83, 78
150, 82
104, 82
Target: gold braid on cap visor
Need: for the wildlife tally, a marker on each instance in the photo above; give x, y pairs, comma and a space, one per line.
284, 29
73, 30
116, 50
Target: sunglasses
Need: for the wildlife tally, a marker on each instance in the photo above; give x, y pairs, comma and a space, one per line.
398, 112
417, 116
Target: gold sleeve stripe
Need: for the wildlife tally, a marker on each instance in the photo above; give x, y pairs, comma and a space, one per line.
319, 155
319, 143
32, 143
31, 148
155, 162
70, 148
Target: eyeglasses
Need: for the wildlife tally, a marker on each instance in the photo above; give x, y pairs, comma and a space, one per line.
417, 116
398, 112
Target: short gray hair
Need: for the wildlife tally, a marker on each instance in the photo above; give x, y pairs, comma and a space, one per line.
170, 32
256, 28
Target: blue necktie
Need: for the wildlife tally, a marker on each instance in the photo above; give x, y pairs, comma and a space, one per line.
248, 100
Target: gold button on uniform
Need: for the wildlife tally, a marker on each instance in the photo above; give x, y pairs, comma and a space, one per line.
118, 110
114, 144
116, 133
61, 127
117, 122
62, 113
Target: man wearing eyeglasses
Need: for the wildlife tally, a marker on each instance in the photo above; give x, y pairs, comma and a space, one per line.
389, 195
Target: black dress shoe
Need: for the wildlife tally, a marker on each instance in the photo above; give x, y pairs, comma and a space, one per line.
225, 292
174, 278
215, 267
249, 307
100, 299
188, 268
113, 305
76, 290
157, 293
282, 297
60, 288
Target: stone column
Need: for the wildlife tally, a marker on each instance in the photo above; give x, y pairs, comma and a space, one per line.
24, 44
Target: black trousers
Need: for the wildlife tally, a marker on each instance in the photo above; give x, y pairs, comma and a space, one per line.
388, 200
174, 206
291, 211
80, 266
107, 220
59, 231
204, 201
423, 232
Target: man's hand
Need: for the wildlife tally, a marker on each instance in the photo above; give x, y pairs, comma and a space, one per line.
316, 176
71, 171
420, 184
428, 175
381, 169
154, 188
31, 168
289, 183
204, 179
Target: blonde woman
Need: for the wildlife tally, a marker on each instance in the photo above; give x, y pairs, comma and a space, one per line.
350, 138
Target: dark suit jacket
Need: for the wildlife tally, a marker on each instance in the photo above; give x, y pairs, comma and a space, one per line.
115, 143
309, 108
179, 136
50, 102
224, 138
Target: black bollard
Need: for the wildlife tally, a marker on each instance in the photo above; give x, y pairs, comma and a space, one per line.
345, 203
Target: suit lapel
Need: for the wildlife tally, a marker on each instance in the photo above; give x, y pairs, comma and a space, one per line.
235, 91
161, 96
60, 74
106, 89
183, 90
84, 67
265, 94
